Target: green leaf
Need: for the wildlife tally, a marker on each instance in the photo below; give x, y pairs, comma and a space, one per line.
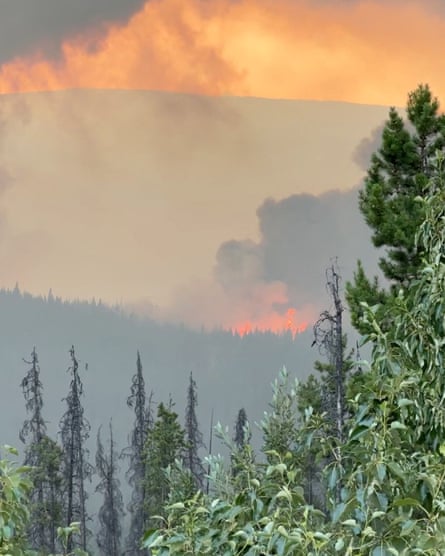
412, 502
404, 402
381, 471
339, 545
338, 512
398, 425
349, 523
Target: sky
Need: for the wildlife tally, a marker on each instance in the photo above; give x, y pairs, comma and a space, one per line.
176, 157
369, 51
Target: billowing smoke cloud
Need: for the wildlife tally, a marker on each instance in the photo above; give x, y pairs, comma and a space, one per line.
366, 51
303, 234
41, 26
257, 282
367, 146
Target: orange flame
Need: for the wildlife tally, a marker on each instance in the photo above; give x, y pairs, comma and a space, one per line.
269, 48
276, 323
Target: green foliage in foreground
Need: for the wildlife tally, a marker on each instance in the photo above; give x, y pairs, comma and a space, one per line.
15, 488
14, 512
385, 485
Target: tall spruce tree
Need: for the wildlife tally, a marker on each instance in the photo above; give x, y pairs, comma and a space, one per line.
165, 444
111, 512
32, 388
241, 436
193, 437
45, 457
242, 453
399, 172
135, 452
74, 431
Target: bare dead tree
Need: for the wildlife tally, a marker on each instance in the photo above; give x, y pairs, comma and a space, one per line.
329, 337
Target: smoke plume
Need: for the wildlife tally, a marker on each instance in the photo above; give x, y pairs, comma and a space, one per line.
364, 51
281, 278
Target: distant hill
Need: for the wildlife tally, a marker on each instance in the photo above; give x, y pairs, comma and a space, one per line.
231, 372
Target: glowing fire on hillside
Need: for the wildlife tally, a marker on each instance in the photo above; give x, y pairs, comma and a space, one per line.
275, 323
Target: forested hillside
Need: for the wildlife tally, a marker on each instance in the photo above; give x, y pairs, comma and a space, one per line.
230, 371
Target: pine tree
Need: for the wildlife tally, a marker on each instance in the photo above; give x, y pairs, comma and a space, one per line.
135, 452
32, 388
193, 438
240, 436
165, 444
74, 431
242, 453
310, 395
399, 172
112, 509
45, 457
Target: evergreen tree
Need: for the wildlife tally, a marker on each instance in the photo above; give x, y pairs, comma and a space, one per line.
112, 509
32, 388
310, 394
74, 431
399, 172
241, 450
45, 457
193, 438
165, 444
135, 452
239, 436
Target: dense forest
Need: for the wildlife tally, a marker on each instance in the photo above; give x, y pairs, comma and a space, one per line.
351, 459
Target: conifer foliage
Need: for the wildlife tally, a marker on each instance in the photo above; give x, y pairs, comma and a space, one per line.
193, 437
74, 431
240, 436
111, 511
399, 172
45, 457
164, 446
135, 452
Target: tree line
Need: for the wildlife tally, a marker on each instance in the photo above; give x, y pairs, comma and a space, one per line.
60, 470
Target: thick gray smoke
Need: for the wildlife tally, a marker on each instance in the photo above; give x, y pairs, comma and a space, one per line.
300, 236
367, 146
31, 26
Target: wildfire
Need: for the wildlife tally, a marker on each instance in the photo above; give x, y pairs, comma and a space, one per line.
276, 323
268, 48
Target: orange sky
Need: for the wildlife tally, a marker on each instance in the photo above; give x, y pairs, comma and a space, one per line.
366, 52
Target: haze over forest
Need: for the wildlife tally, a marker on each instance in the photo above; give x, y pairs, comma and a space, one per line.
210, 211
82, 216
